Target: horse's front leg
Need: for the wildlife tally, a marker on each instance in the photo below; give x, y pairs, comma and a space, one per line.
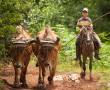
16, 79
84, 67
81, 65
90, 67
52, 69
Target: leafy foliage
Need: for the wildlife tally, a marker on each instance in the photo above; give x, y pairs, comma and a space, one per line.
12, 13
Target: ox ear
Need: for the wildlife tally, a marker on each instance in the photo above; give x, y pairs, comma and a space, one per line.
57, 41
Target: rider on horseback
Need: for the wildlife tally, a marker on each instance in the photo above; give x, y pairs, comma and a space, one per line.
86, 22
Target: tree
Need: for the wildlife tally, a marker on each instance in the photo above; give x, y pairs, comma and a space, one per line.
12, 13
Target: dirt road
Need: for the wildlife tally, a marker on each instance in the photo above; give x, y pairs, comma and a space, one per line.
32, 75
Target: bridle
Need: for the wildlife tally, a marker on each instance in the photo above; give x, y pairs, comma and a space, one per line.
88, 39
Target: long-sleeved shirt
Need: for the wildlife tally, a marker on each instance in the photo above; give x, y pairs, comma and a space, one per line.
84, 22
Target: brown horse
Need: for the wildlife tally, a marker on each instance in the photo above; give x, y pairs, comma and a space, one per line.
19, 47
87, 50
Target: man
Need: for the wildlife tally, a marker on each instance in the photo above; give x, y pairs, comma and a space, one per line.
86, 22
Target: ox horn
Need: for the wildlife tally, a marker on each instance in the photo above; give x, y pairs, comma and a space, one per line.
57, 41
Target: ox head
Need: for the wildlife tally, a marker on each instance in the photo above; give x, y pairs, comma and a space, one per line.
47, 51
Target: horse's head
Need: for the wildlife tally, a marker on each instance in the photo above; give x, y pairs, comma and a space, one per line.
48, 51
86, 35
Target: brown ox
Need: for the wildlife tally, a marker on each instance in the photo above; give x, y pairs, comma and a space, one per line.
49, 46
87, 49
16, 52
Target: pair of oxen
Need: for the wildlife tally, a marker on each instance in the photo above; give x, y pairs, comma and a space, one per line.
45, 46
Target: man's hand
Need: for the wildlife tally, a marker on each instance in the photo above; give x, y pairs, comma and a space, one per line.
77, 30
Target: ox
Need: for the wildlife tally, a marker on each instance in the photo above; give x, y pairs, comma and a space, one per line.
49, 46
20, 46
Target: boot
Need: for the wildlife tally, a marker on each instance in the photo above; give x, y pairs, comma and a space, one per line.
97, 56
77, 53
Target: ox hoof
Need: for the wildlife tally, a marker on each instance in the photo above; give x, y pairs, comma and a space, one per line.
24, 85
50, 80
40, 82
91, 79
41, 87
16, 85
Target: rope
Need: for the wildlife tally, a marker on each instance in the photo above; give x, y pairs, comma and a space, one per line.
101, 16
93, 21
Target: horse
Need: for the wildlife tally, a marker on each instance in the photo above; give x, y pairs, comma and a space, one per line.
87, 50
20, 46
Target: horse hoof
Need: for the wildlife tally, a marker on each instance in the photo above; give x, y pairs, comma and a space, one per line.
16, 85
82, 75
24, 85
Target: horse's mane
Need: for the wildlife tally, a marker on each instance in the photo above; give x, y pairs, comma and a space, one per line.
47, 33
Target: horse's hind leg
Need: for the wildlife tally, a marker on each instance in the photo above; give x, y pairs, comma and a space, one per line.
90, 68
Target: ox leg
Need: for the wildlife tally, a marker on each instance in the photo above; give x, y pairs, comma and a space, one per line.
43, 74
84, 67
16, 80
23, 76
90, 68
40, 81
23, 73
52, 73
